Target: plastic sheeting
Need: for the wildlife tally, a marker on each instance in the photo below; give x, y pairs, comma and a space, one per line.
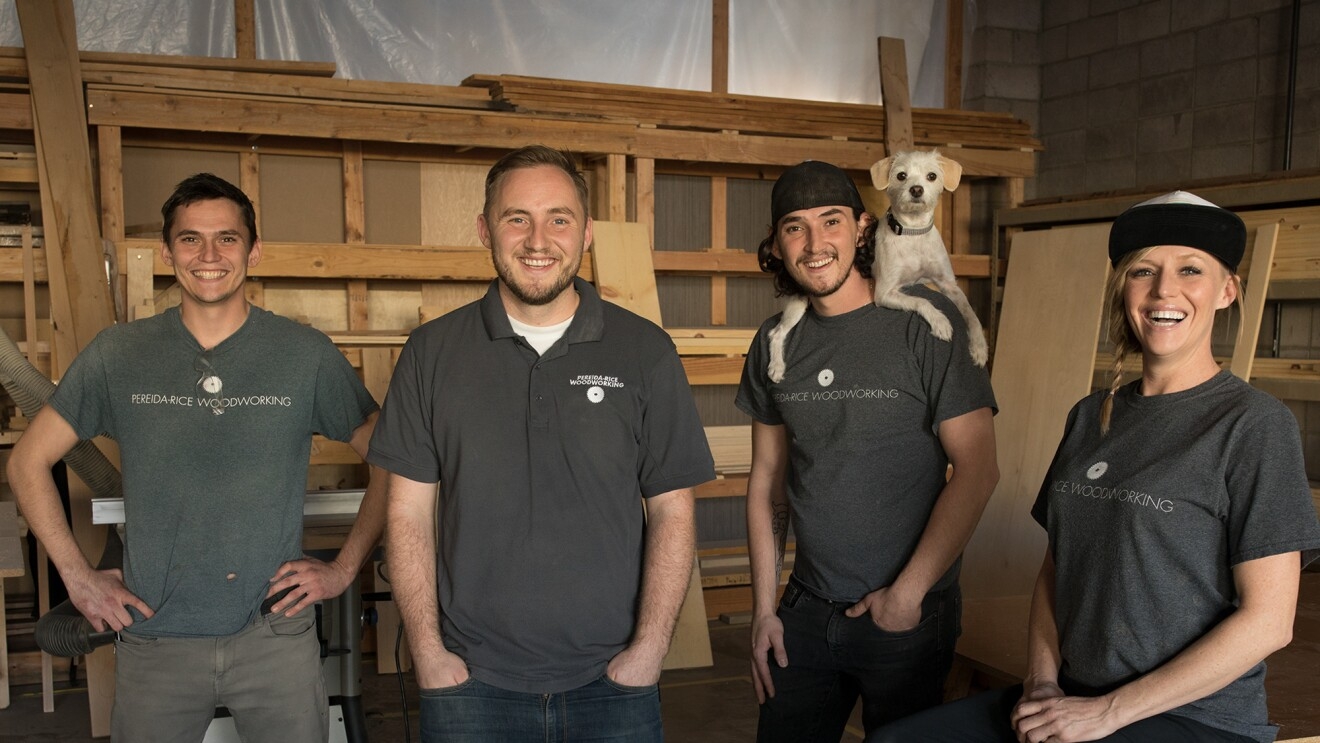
821, 50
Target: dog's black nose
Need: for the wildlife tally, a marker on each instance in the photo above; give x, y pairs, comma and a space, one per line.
917, 191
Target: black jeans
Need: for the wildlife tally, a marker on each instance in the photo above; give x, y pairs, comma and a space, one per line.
984, 719
834, 659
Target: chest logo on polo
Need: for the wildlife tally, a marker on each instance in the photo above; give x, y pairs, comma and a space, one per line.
825, 378
595, 394
1097, 470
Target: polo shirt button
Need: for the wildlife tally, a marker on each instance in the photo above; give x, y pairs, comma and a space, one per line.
231, 576
539, 398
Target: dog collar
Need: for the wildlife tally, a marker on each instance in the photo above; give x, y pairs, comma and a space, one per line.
899, 229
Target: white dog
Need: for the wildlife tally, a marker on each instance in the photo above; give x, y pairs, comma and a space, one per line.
908, 250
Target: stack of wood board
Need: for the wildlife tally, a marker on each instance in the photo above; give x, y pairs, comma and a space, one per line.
689, 109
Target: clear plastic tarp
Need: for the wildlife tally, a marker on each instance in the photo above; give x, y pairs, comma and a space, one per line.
819, 50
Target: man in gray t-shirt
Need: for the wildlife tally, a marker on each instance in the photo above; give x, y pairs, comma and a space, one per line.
852, 448
213, 405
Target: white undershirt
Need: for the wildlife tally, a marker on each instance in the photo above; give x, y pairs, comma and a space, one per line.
540, 337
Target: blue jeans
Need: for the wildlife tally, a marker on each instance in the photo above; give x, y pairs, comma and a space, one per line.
476, 712
984, 719
833, 659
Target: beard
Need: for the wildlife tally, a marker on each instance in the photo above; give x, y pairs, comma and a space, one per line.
535, 293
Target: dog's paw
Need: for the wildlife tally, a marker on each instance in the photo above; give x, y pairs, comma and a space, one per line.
775, 370
979, 349
940, 327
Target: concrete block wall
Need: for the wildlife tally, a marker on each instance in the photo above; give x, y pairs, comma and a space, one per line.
1152, 93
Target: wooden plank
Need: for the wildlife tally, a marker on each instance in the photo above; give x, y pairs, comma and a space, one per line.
249, 182
953, 53
644, 194
16, 112
326, 119
110, 162
616, 188
1262, 259
719, 46
1058, 274
894, 94
71, 234
29, 294
317, 69
624, 274
245, 29
355, 214
719, 241
139, 292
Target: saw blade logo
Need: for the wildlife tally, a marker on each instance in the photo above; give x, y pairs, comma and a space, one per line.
825, 378
1097, 470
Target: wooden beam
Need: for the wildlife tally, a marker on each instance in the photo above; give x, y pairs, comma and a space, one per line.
11, 60
894, 95
249, 181
110, 162
953, 54
245, 29
616, 188
719, 241
1262, 260
644, 194
719, 46
71, 234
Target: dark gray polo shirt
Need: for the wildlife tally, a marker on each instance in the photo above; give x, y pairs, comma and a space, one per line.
543, 462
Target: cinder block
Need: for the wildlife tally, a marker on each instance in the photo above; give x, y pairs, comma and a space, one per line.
1238, 8
1231, 160
1188, 14
1063, 114
1012, 14
1166, 170
1228, 82
1026, 47
1148, 20
1063, 12
1064, 78
1018, 82
1170, 54
1164, 133
1111, 175
1165, 94
1065, 148
1026, 110
1111, 141
1226, 41
974, 82
1054, 44
1274, 28
1267, 155
993, 45
1222, 125
1092, 35
1111, 105
1100, 7
1059, 181
1116, 66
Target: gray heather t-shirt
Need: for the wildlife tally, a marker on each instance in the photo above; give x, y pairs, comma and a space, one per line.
1147, 522
213, 503
862, 400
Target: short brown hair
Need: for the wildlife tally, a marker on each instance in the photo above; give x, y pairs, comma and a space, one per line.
533, 156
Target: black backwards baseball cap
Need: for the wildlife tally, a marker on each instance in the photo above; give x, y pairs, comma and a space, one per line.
1179, 218
811, 184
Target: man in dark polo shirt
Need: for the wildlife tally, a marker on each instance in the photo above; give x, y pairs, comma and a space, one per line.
546, 601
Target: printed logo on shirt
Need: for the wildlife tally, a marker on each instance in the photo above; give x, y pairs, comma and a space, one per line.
596, 380
595, 393
1134, 498
1097, 470
190, 401
825, 378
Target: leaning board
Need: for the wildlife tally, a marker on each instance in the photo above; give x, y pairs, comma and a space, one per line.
1044, 358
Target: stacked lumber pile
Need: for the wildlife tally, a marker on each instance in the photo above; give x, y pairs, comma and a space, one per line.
688, 109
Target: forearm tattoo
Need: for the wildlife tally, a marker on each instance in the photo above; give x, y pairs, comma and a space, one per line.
779, 528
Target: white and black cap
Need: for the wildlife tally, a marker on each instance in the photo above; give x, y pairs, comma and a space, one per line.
1179, 218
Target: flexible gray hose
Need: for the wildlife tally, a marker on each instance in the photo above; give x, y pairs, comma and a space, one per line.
30, 389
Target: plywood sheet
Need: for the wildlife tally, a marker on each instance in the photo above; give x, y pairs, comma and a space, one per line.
624, 271
451, 198
1048, 333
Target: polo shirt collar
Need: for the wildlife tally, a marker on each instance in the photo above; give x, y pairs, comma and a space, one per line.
588, 322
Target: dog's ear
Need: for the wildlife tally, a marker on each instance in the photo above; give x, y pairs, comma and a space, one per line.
880, 173
952, 171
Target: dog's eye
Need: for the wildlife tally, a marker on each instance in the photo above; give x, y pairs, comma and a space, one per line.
901, 176
930, 177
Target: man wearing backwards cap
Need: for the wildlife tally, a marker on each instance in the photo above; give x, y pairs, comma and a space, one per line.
853, 444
